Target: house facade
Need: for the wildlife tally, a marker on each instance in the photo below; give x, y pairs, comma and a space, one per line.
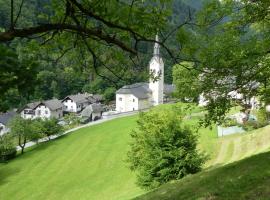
76, 103
45, 109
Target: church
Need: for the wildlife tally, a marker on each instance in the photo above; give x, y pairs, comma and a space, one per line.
140, 96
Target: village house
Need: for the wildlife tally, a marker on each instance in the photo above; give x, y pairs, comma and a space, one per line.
141, 96
92, 112
76, 103
43, 109
4, 120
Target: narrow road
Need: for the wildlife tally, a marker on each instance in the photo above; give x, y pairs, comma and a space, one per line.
100, 121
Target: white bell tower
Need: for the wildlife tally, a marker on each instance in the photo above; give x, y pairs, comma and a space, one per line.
157, 69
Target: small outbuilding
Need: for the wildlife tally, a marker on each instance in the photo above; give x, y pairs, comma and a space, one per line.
92, 112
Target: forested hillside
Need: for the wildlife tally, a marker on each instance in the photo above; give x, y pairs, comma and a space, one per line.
61, 70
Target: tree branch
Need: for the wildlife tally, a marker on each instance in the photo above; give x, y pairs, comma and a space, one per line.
26, 32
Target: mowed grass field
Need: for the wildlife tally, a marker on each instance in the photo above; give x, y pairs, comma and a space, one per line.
87, 164
90, 164
247, 179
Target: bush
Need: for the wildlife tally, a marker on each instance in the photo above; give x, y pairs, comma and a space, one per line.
163, 149
250, 125
262, 117
8, 154
229, 122
7, 148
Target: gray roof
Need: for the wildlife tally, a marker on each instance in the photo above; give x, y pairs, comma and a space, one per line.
6, 117
53, 104
96, 98
139, 90
32, 105
93, 108
168, 89
142, 91
79, 98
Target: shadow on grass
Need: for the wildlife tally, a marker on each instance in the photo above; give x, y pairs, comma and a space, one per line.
6, 172
244, 179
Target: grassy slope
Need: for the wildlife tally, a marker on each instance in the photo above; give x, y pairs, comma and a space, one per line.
244, 179
88, 164
224, 177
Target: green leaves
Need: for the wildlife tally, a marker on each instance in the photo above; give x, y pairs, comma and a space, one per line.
186, 81
162, 148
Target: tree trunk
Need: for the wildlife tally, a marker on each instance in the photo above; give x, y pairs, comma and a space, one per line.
22, 149
22, 145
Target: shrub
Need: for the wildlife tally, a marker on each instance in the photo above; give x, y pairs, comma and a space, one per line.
7, 148
250, 125
163, 149
262, 117
229, 122
8, 154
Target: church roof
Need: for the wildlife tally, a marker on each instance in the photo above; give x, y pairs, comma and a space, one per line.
139, 90
142, 90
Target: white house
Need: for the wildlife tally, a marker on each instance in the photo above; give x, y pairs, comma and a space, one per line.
76, 103
45, 109
4, 120
140, 96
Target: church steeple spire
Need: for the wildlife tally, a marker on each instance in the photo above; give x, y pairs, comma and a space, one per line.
156, 47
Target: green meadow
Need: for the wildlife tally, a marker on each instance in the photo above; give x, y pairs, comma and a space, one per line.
90, 164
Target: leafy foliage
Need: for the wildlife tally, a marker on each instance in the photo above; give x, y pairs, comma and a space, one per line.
163, 149
7, 147
185, 79
24, 130
71, 119
51, 127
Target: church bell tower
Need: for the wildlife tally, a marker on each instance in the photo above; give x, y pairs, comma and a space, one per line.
156, 81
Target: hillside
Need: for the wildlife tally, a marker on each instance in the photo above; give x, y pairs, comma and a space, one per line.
88, 164
245, 179
248, 178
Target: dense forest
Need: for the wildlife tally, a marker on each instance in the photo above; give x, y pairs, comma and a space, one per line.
58, 70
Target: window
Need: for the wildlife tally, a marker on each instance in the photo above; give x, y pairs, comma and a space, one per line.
133, 108
46, 112
66, 107
120, 98
133, 100
38, 112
